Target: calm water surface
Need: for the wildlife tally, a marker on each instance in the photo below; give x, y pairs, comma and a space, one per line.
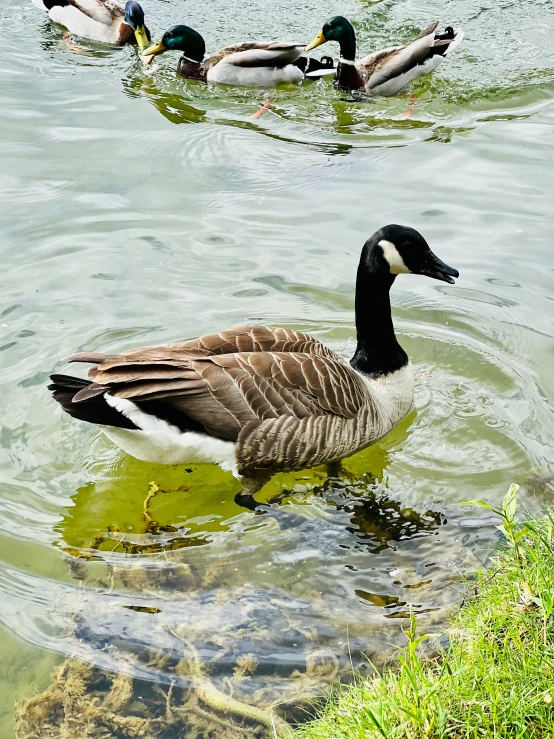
139, 209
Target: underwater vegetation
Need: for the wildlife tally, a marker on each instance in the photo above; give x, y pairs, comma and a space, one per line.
496, 677
158, 647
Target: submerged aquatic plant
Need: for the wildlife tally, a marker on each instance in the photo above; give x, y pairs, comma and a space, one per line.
89, 700
85, 701
495, 681
162, 646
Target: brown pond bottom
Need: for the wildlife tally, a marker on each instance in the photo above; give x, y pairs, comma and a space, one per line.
85, 701
161, 649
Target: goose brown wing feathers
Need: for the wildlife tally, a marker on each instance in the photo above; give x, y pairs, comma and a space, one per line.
236, 378
254, 339
230, 341
248, 384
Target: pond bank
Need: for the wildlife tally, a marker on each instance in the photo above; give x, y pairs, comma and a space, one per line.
496, 678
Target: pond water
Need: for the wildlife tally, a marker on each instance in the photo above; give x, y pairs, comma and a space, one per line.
137, 209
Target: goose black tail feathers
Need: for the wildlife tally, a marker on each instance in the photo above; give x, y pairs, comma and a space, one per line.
94, 410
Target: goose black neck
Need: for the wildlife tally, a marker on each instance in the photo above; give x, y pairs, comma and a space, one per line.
377, 351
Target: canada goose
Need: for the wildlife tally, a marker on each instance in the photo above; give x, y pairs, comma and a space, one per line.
257, 400
100, 20
387, 71
250, 64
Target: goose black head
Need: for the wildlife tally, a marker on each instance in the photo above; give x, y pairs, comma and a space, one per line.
403, 250
134, 17
180, 38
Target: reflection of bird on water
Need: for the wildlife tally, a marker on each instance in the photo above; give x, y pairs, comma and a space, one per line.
250, 64
376, 519
257, 400
175, 108
100, 20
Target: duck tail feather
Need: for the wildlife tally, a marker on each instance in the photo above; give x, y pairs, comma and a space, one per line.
448, 40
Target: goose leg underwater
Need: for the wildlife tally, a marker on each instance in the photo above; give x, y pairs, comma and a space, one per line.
258, 400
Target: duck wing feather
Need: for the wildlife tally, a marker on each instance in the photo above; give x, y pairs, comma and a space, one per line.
258, 54
101, 11
394, 61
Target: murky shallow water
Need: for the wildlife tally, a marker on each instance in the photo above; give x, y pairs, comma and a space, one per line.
121, 227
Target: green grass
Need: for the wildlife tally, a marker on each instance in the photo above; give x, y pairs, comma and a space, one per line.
496, 679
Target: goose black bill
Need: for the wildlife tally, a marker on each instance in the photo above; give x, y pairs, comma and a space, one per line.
438, 270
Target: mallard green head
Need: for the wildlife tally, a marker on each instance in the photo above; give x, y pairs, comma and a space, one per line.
337, 29
180, 38
134, 17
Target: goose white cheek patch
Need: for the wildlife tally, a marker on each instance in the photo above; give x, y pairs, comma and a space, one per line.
397, 265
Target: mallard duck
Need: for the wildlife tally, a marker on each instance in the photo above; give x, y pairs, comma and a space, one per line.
387, 71
100, 20
256, 400
251, 64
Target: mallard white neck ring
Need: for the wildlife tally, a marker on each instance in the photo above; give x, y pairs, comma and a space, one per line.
188, 59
